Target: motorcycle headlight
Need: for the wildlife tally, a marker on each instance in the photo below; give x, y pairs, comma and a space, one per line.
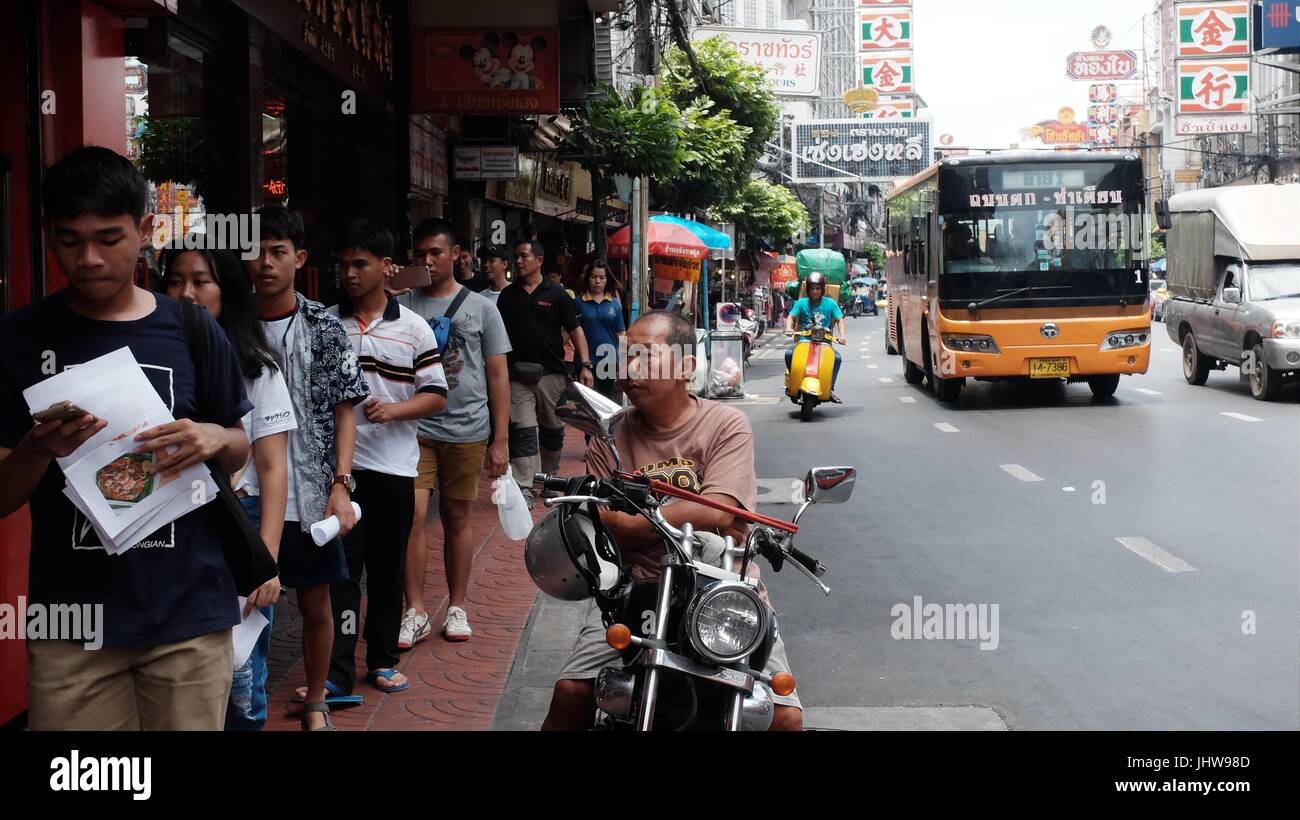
727, 622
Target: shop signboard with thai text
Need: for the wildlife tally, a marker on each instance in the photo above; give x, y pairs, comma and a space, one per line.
860, 151
478, 71
1102, 65
792, 59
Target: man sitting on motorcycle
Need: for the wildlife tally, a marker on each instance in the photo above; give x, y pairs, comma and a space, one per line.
700, 445
816, 311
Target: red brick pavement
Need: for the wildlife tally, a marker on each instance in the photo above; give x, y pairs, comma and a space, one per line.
454, 686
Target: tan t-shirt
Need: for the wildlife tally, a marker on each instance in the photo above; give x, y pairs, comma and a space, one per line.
710, 453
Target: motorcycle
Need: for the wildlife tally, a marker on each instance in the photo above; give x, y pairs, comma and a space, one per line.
748, 327
693, 642
812, 370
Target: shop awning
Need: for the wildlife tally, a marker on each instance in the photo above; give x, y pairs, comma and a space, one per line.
665, 239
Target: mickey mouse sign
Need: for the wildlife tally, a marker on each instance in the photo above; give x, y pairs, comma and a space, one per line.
477, 71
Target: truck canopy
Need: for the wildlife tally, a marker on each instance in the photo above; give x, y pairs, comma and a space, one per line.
1257, 223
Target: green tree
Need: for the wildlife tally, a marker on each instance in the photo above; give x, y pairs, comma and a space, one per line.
766, 212
876, 254
642, 136
740, 92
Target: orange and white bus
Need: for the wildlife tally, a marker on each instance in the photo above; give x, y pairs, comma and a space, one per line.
1028, 265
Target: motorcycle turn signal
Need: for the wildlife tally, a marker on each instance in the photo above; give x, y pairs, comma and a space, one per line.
619, 637
783, 683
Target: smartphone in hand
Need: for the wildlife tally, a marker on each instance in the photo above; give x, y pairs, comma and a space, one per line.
59, 411
410, 277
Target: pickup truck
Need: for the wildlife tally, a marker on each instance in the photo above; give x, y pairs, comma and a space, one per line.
1234, 283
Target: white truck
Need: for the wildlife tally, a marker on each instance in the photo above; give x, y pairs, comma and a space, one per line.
1234, 282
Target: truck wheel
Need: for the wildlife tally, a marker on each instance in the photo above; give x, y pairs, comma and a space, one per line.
1196, 367
1103, 387
1265, 382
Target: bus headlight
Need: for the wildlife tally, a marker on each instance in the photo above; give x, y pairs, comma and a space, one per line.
1120, 339
965, 343
727, 622
1285, 329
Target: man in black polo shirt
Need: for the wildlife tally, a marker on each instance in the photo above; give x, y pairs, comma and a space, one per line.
535, 311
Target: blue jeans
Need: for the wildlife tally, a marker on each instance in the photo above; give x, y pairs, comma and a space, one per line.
835, 374
246, 709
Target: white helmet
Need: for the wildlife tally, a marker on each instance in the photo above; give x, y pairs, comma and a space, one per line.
571, 558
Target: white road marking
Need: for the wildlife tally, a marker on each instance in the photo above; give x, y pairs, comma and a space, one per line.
1240, 417
886, 380
907, 399
873, 367
1168, 350
1164, 559
1016, 471
1149, 392
1067, 489
945, 427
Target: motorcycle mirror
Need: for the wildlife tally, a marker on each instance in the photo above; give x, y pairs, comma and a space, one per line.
591, 412
829, 485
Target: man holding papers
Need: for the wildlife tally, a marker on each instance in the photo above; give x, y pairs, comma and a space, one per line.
169, 601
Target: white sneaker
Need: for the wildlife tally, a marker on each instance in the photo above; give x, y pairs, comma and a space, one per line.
415, 628
456, 625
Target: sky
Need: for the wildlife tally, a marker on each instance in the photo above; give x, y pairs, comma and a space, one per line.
988, 68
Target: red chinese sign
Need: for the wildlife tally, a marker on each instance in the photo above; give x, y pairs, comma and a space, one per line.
1102, 65
473, 71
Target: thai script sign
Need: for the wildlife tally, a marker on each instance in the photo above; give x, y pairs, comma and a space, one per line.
792, 59
858, 151
1101, 65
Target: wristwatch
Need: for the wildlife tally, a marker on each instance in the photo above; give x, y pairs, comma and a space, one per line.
589, 366
347, 481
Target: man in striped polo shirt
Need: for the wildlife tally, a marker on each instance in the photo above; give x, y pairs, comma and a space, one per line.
399, 360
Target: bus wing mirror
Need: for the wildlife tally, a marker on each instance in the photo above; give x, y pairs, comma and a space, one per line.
1162, 214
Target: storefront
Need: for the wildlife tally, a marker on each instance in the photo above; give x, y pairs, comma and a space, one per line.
225, 105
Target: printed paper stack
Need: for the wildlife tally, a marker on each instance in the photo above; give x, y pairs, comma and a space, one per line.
109, 482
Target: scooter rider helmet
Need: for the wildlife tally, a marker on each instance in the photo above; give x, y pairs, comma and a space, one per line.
816, 279
571, 557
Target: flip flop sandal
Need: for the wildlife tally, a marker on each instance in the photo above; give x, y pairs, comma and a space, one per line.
386, 674
324, 709
333, 696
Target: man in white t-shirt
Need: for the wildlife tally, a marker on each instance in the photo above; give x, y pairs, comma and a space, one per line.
496, 261
399, 359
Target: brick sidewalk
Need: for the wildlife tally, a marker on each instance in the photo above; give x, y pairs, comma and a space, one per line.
454, 686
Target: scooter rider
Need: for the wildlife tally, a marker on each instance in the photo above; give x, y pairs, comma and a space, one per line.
816, 311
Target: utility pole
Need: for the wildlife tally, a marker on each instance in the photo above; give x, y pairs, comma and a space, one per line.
645, 57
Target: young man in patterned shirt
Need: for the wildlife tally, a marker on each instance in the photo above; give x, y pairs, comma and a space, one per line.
324, 380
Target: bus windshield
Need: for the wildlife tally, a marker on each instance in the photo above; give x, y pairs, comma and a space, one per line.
1061, 232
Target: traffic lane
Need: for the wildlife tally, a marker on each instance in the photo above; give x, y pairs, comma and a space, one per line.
930, 560
1079, 613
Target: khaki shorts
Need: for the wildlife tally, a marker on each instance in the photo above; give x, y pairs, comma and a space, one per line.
451, 468
591, 654
176, 686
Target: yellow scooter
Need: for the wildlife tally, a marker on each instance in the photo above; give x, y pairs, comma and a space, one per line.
812, 370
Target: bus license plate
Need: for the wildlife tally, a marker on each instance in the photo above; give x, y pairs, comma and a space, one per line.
1049, 368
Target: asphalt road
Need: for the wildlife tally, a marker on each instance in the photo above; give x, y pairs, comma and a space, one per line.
1018, 497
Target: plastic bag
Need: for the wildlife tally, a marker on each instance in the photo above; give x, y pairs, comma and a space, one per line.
512, 509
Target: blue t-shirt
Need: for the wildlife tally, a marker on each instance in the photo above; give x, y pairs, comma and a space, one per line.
823, 315
175, 584
601, 323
